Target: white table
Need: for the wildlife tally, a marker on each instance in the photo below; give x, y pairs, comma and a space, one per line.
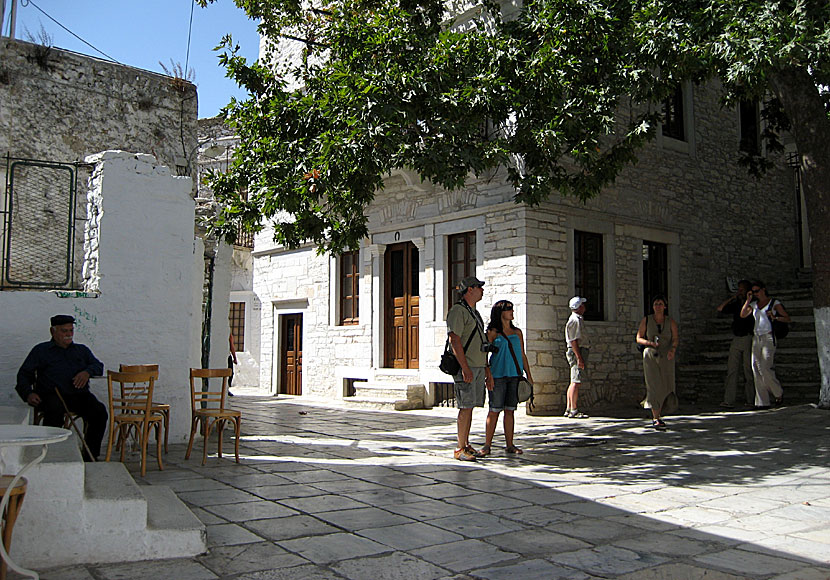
22, 436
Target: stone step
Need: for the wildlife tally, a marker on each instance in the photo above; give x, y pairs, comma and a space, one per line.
396, 376
172, 529
113, 498
389, 391
370, 403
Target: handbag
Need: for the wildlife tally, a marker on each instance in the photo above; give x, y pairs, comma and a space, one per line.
779, 329
525, 387
449, 363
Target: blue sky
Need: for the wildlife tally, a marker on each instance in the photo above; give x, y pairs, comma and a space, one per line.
141, 33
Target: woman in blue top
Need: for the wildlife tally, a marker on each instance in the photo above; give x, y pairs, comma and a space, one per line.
504, 394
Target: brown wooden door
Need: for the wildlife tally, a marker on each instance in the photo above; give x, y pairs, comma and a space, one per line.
291, 377
401, 306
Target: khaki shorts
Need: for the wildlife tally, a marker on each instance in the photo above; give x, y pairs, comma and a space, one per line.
469, 395
578, 375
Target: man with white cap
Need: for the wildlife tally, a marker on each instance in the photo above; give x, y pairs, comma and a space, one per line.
576, 340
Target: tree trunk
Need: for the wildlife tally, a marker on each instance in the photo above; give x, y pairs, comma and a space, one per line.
811, 130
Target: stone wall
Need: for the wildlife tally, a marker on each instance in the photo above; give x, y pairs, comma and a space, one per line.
59, 105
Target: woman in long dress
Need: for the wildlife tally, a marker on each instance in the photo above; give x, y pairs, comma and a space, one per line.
659, 335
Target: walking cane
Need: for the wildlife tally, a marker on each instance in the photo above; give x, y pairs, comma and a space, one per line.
71, 420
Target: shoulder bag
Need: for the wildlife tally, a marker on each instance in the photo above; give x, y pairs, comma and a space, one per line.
525, 386
449, 363
780, 329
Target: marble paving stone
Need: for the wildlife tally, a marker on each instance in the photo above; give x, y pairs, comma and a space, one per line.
283, 465
821, 535
486, 501
591, 509
535, 515
692, 516
404, 480
607, 560
348, 486
246, 511
539, 495
461, 474
789, 546
802, 512
361, 518
805, 574
595, 530
285, 528
385, 497
664, 544
229, 534
333, 547
279, 492
591, 491
440, 490
208, 518
396, 566
638, 504
227, 560
197, 484
465, 555
745, 562
744, 504
314, 476
645, 523
250, 480
323, 503
536, 542
679, 572
494, 484
63, 573
476, 525
306, 572
214, 497
428, 509
769, 524
530, 570
410, 536
182, 569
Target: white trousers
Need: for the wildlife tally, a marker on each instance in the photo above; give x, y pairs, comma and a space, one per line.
763, 370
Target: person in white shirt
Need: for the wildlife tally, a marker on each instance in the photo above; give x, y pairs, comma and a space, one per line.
576, 341
765, 310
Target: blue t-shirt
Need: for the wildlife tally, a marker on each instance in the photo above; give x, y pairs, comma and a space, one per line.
501, 363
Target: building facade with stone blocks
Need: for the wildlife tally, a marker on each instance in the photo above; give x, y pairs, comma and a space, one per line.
681, 221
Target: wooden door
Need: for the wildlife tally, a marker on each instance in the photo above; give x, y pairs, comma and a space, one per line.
401, 306
291, 356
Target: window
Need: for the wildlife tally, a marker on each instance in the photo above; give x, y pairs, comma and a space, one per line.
349, 290
673, 116
236, 319
588, 276
750, 127
462, 261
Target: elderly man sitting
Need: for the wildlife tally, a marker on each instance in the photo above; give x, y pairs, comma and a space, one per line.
63, 365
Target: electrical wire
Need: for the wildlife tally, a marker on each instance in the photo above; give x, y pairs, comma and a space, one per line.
25, 3
189, 30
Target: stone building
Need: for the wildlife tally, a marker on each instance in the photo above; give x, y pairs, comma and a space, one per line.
370, 324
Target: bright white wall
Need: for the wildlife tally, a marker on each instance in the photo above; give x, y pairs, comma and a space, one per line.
148, 308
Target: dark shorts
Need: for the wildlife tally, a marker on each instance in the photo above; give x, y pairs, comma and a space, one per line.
505, 394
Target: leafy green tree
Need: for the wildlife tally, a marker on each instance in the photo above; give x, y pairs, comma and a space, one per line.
561, 93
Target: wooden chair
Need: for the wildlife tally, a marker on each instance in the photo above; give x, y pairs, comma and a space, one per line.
10, 514
162, 409
207, 408
131, 411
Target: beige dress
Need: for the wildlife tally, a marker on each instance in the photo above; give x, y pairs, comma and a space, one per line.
658, 369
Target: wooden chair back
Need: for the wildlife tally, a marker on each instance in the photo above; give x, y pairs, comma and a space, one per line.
135, 393
207, 394
139, 369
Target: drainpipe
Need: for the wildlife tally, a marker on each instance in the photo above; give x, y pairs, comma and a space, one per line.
207, 314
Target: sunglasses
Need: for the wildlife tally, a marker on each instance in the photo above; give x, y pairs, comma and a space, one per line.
507, 307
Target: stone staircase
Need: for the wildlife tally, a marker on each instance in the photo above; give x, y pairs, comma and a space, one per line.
397, 389
796, 358
76, 512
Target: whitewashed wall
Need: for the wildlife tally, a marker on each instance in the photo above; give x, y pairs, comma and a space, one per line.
147, 307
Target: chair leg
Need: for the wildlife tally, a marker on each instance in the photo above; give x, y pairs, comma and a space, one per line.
109, 441
237, 424
143, 440
158, 445
220, 425
166, 416
12, 510
194, 423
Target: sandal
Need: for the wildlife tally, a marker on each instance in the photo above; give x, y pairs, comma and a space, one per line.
472, 451
658, 424
513, 449
484, 451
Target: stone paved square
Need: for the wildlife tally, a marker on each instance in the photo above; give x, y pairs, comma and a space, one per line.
351, 493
